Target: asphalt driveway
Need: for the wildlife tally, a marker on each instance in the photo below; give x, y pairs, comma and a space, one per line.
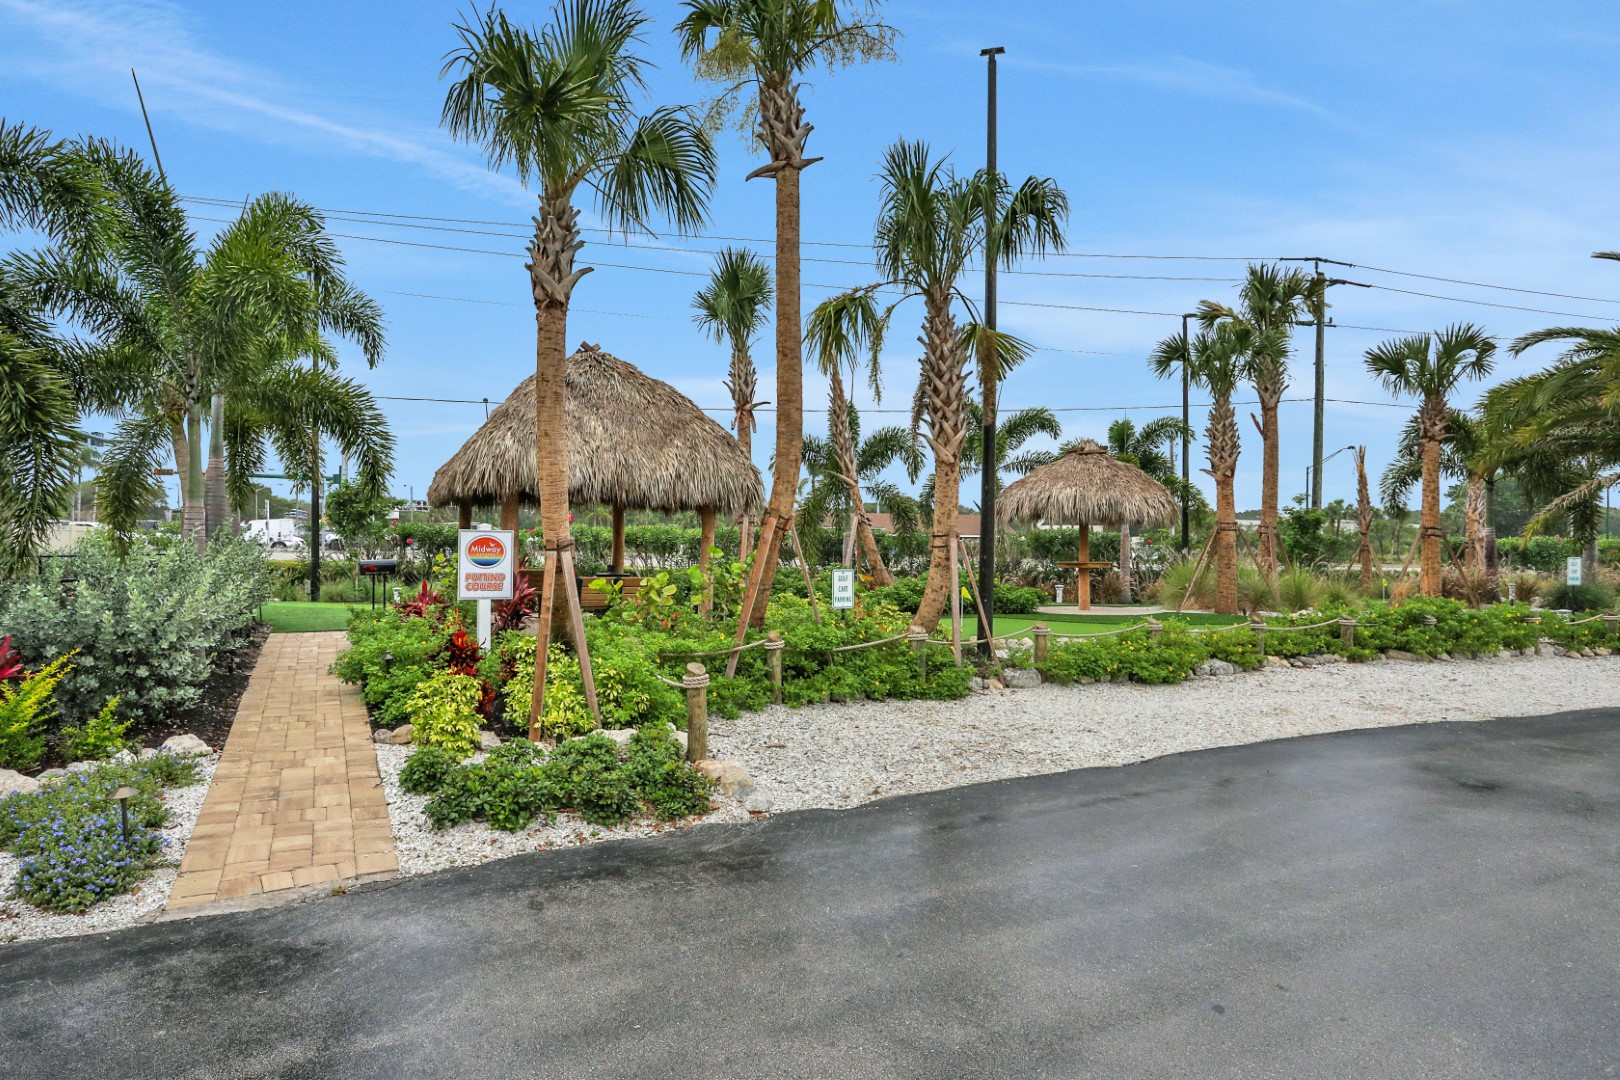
1427, 902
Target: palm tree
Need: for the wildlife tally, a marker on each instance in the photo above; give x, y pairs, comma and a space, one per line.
828, 496
1214, 361
557, 105
1430, 367
1144, 447
767, 45
46, 380
731, 307
930, 224
1269, 299
841, 328
1010, 457
1364, 520
1462, 457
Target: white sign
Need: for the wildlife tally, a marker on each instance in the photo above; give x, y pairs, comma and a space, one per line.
486, 565
1572, 570
843, 589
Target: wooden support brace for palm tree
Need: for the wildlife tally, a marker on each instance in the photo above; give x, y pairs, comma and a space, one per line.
973, 582
1198, 572
756, 582
804, 569
557, 577
705, 542
956, 609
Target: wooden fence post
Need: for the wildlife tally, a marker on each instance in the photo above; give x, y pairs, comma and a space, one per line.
1040, 632
773, 660
696, 683
1154, 629
1535, 621
1258, 625
919, 645
1347, 632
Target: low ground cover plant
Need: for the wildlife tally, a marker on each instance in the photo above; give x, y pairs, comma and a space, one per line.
519, 781
68, 836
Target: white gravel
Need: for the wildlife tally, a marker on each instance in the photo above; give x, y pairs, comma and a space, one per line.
843, 755
421, 850
20, 921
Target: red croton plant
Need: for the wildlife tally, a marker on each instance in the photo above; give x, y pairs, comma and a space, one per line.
11, 665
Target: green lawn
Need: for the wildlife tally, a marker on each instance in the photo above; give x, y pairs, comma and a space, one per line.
303, 616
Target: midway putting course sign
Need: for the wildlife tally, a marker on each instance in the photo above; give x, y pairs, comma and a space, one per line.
487, 564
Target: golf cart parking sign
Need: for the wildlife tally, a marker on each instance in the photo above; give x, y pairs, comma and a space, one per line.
486, 567
843, 589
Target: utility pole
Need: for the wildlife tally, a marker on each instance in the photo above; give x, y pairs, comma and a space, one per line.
1320, 286
1186, 435
987, 474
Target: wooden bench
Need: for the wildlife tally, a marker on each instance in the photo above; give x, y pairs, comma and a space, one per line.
594, 600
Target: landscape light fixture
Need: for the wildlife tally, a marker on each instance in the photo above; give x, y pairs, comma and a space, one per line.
123, 796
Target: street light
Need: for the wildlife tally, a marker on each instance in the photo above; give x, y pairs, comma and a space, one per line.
1325, 460
1186, 429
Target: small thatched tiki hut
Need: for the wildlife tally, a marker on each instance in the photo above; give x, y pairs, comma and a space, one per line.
1087, 487
634, 443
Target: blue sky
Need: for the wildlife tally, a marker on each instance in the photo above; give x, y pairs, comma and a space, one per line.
1469, 140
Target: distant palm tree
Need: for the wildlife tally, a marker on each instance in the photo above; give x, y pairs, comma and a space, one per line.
1011, 435
1214, 361
766, 46
1364, 520
828, 496
1144, 447
1431, 367
1460, 458
558, 106
842, 329
931, 223
1270, 299
732, 308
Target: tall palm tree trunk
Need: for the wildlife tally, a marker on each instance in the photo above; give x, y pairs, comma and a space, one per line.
1474, 522
843, 440
1268, 482
1223, 455
551, 446
182, 459
1125, 562
742, 387
1364, 517
789, 390
1432, 418
194, 517
945, 389
215, 504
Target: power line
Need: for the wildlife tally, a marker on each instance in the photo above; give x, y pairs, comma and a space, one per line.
728, 409
1481, 284
1489, 303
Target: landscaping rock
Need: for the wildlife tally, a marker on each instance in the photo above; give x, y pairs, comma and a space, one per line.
995, 684
185, 746
758, 803
1601, 651
976, 684
15, 783
1216, 667
382, 735
488, 740
732, 779
621, 737
51, 774
1446, 657
124, 757
1588, 653
1277, 661
680, 741
1021, 678
147, 754
82, 766
1402, 654
1506, 654
402, 735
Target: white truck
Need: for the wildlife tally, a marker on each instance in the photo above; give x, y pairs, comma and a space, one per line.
278, 534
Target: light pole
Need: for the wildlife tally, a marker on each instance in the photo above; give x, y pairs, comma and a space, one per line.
1320, 320
987, 473
1316, 477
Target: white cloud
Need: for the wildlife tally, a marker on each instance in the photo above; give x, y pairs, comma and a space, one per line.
1182, 75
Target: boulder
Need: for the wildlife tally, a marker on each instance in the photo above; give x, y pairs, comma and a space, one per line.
1506, 654
976, 684
383, 736
1402, 654
994, 684
1021, 678
51, 774
124, 757
488, 740
1601, 651
620, 737
15, 783
147, 754
731, 778
82, 766
758, 803
401, 735
185, 746
1277, 661
680, 740
1216, 667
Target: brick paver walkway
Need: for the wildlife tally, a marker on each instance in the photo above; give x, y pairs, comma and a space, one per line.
296, 799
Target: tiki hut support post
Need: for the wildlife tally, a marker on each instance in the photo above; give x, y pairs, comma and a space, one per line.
509, 512
1082, 583
705, 542
464, 515
618, 540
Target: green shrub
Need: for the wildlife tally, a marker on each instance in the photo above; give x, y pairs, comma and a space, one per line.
98, 740
1591, 597
1018, 599
147, 628
444, 713
1299, 588
25, 705
426, 769
388, 656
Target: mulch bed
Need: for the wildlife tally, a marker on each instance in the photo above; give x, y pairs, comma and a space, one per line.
211, 718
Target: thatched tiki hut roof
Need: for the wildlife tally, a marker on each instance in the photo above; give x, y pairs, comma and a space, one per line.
634, 443
1086, 486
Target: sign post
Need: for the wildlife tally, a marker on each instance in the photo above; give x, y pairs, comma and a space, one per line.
843, 589
1572, 570
486, 569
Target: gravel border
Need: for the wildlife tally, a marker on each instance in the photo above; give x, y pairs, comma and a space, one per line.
837, 756
20, 921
